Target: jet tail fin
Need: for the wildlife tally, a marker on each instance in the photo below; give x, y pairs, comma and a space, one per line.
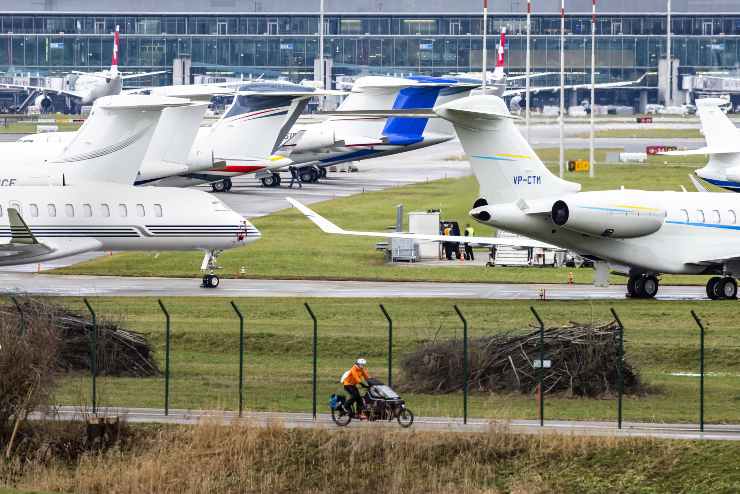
112, 143
173, 137
506, 167
116, 48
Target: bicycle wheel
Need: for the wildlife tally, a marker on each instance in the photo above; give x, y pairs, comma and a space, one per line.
341, 418
405, 418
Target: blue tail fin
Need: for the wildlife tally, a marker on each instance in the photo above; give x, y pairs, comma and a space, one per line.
405, 130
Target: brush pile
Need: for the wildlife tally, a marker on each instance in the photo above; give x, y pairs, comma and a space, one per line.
120, 352
583, 362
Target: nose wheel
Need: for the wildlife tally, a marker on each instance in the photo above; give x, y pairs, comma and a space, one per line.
209, 265
643, 286
210, 281
722, 288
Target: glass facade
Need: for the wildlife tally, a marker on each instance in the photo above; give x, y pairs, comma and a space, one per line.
627, 45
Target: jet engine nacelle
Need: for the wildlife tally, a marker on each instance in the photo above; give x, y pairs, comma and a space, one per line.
316, 137
605, 219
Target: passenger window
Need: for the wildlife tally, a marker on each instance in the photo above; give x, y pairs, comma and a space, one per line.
69, 210
52, 210
17, 206
86, 210
685, 215
700, 216
140, 210
1, 211
731, 217
122, 210
104, 210
716, 218
34, 210
158, 210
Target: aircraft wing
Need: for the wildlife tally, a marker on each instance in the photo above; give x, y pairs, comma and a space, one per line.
40, 88
329, 227
142, 74
603, 85
25, 247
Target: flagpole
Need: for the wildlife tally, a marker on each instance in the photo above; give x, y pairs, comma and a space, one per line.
485, 46
562, 87
527, 67
591, 162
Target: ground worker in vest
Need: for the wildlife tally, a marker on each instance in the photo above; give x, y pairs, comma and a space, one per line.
350, 380
469, 232
447, 246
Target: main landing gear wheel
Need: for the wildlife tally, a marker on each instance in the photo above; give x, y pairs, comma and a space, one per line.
643, 286
222, 185
722, 288
210, 281
322, 172
272, 180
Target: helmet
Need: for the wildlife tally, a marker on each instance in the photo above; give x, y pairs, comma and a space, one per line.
361, 362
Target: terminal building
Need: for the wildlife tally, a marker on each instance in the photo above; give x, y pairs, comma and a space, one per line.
279, 38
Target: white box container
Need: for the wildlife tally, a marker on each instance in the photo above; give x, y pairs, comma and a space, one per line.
425, 223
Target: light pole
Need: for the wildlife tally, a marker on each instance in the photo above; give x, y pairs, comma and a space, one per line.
591, 171
562, 88
527, 67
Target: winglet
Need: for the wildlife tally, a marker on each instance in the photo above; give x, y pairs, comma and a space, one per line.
325, 225
19, 231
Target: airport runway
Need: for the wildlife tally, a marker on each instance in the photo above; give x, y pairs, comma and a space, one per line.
112, 286
439, 424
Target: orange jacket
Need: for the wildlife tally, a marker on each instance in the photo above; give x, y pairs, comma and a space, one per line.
355, 376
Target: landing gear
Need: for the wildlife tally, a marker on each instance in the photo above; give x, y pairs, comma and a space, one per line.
272, 180
322, 172
642, 286
308, 174
722, 288
208, 266
222, 185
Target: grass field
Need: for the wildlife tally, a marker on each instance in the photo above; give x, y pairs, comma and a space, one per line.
293, 248
30, 128
661, 340
239, 459
646, 133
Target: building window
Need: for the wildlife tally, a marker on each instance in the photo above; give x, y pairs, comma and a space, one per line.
52, 210
158, 210
69, 210
34, 209
86, 210
122, 210
104, 210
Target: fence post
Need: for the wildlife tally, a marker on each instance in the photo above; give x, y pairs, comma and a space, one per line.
166, 358
315, 356
93, 356
541, 367
241, 358
701, 370
620, 368
390, 345
20, 313
466, 373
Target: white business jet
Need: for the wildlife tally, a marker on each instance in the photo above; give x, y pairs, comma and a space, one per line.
46, 223
723, 145
640, 233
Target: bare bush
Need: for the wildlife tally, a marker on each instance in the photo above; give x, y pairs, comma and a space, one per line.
584, 362
29, 356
